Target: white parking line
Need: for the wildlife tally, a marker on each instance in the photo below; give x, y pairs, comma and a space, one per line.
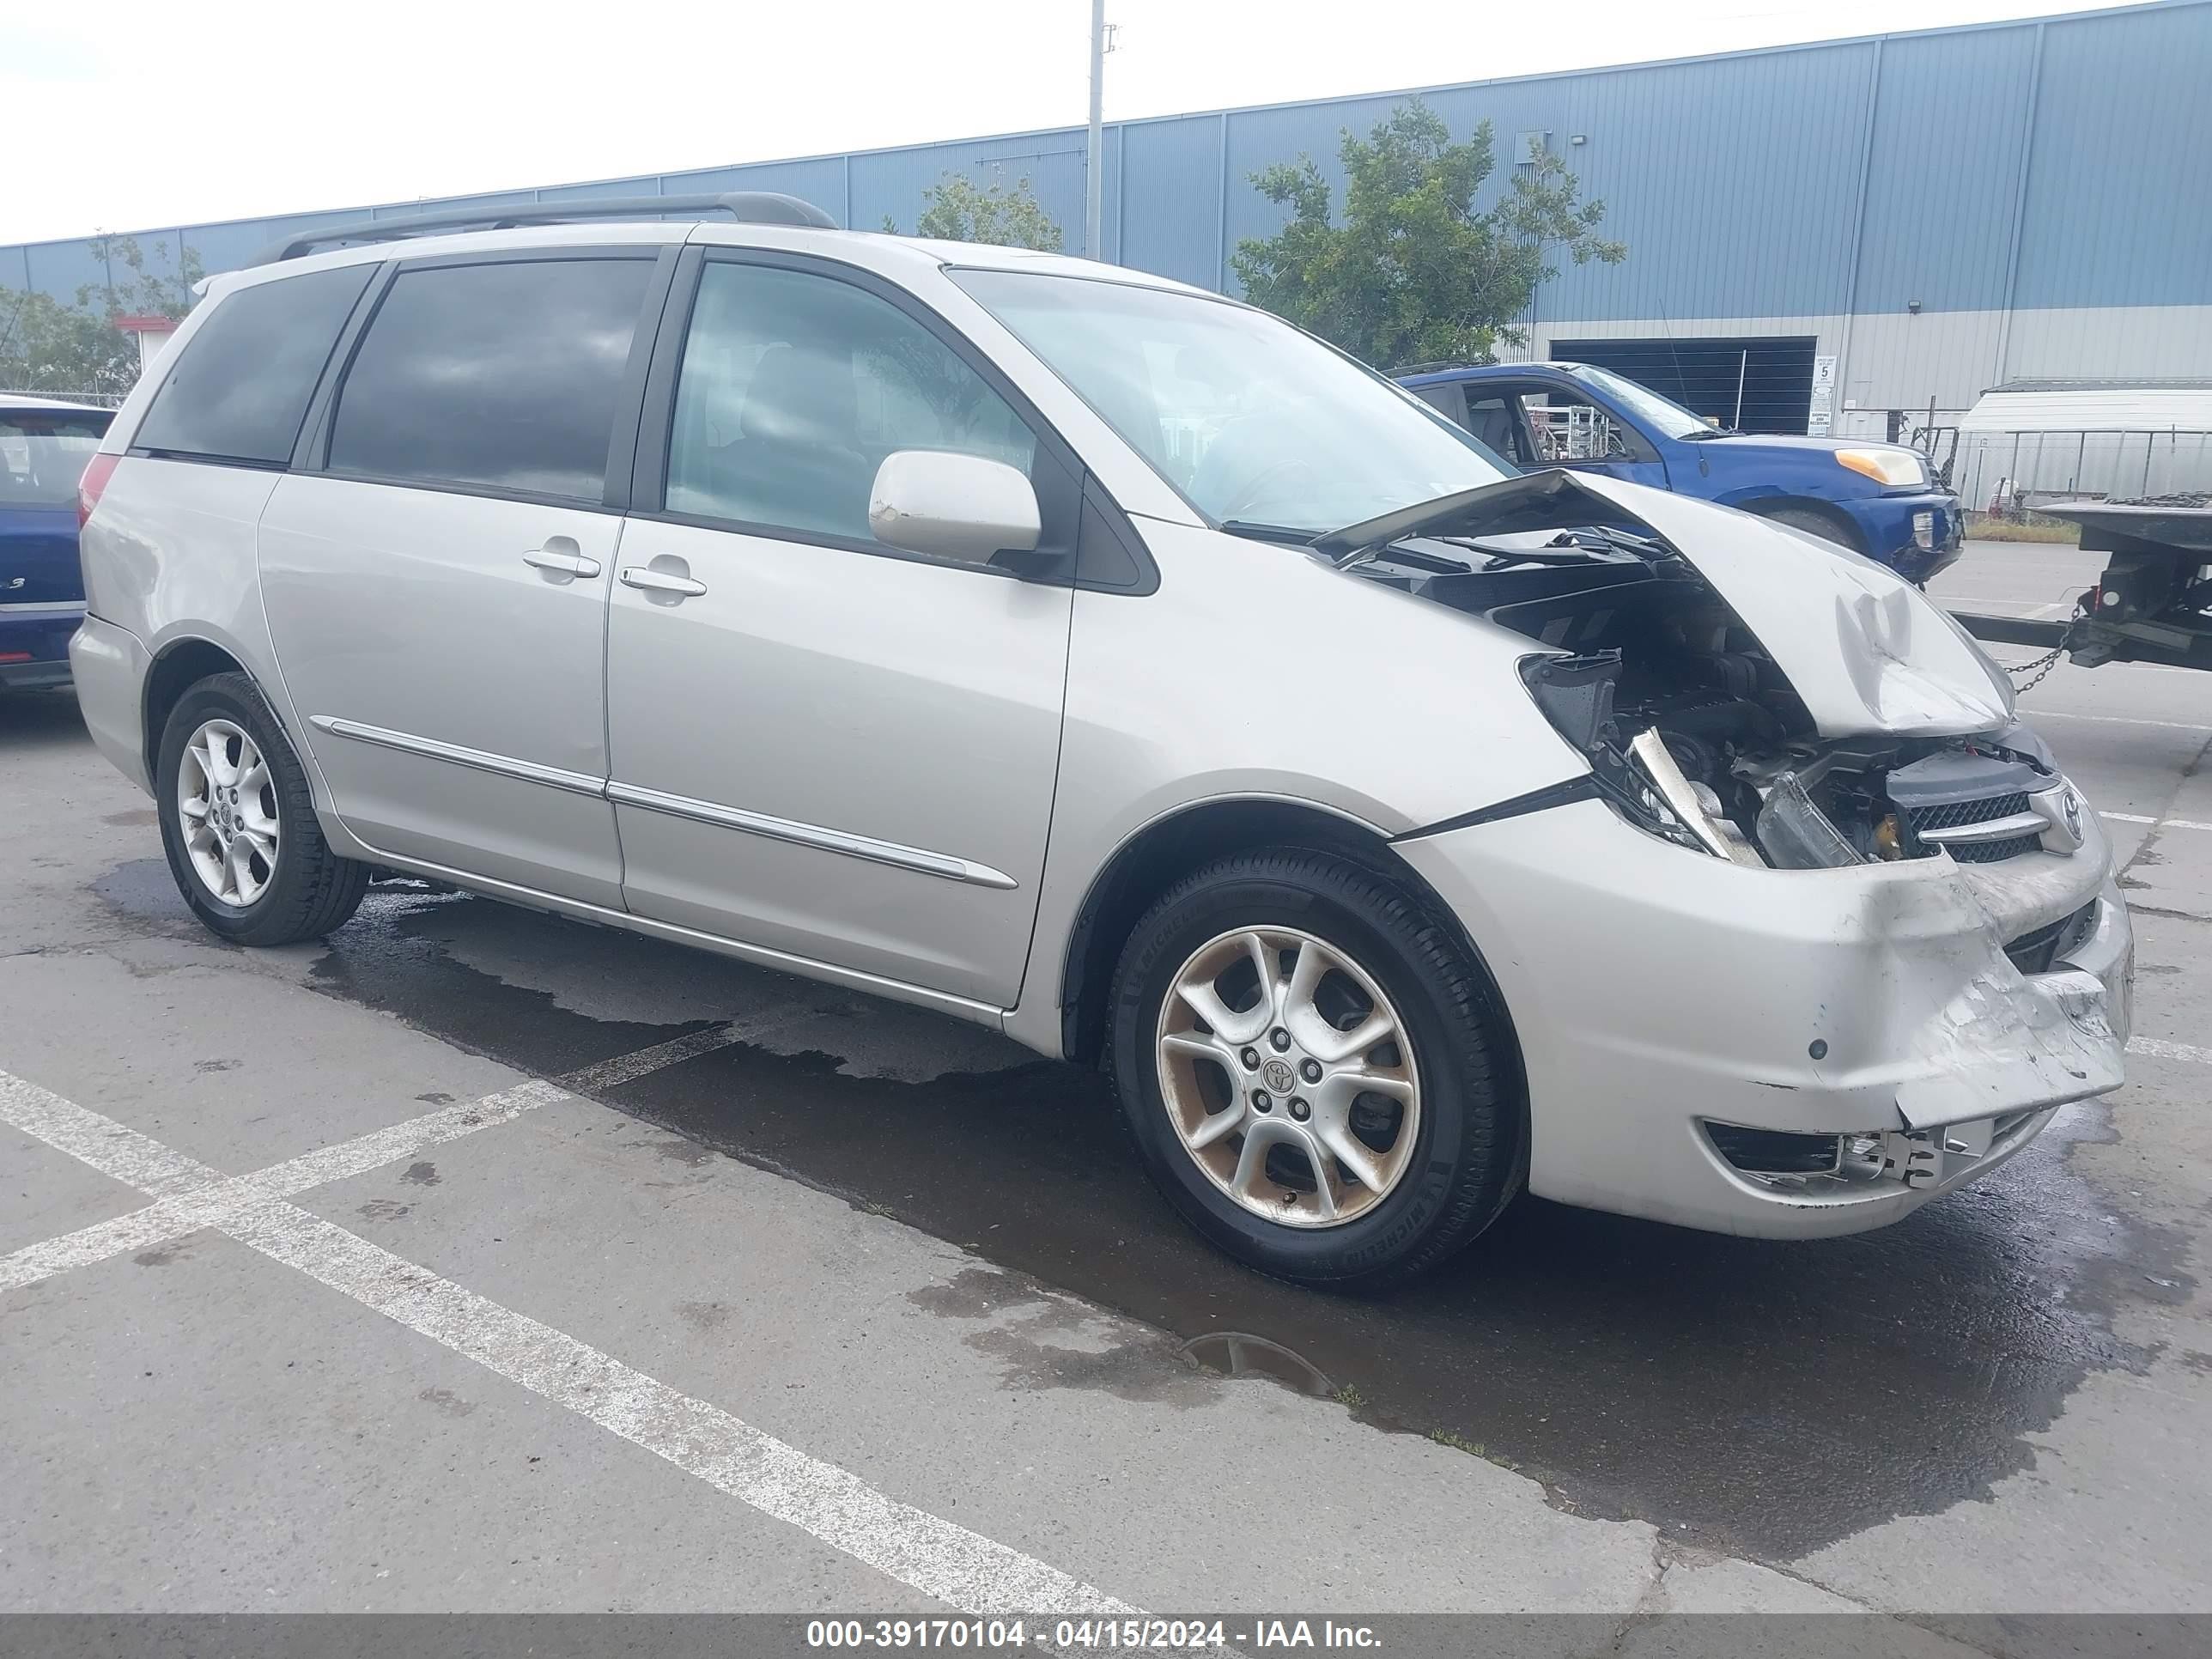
141, 1229
114, 1150
937, 1557
2163, 823
2116, 719
190, 1193
924, 1551
192, 1196
2161, 1050
623, 1068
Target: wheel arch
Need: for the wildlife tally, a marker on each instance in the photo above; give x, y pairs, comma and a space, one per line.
1171, 847
1849, 533
180, 664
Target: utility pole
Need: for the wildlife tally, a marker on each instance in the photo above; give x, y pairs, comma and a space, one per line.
1094, 166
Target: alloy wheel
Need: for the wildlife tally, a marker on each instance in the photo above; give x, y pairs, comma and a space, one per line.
227, 808
1289, 1075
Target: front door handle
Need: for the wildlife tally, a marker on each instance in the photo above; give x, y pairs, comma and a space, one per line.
555, 562
673, 583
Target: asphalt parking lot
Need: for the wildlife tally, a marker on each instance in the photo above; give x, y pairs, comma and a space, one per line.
479, 1260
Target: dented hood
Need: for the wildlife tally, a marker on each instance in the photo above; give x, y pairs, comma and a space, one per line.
1865, 649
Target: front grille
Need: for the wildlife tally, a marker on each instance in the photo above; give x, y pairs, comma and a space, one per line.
1957, 814
1994, 852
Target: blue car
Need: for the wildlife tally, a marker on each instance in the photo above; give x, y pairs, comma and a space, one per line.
44, 447
1879, 499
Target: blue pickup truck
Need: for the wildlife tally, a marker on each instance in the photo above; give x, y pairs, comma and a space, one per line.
1875, 498
44, 447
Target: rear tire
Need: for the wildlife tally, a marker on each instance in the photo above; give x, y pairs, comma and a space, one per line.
1437, 1157
237, 822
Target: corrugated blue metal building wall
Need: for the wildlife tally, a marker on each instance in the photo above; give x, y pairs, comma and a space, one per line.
2008, 177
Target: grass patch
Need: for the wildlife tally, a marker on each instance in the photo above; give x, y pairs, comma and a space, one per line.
1349, 1396
2056, 533
1471, 1448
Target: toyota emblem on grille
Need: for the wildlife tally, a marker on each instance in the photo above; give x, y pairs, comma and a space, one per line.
2069, 804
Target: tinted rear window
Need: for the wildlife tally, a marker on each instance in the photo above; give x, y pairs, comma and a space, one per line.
43, 453
240, 388
501, 375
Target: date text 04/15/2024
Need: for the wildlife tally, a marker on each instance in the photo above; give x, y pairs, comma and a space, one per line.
1091, 1635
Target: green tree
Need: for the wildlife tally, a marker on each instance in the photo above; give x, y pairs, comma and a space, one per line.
958, 211
1415, 274
46, 345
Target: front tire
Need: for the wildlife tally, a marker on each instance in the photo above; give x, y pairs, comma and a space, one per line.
1314, 1072
1813, 522
238, 822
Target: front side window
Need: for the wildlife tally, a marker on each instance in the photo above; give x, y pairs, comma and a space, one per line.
794, 388
1251, 419
239, 385
1569, 429
503, 376
1492, 419
43, 454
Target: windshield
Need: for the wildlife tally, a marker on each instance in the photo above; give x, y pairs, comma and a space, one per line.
1253, 421
42, 455
1641, 401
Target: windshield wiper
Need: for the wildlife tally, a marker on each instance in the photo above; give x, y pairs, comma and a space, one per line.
1579, 545
1289, 534
1412, 558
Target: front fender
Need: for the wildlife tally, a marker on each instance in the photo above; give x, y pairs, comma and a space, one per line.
1258, 673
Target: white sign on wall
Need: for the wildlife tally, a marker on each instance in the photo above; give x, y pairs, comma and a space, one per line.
1823, 382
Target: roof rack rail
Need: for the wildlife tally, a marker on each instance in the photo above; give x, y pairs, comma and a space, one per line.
755, 207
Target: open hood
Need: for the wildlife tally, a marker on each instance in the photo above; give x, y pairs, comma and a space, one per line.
1865, 649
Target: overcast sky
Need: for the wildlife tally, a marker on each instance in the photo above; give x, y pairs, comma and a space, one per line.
126, 116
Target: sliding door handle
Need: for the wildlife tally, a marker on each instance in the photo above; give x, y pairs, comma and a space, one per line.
669, 583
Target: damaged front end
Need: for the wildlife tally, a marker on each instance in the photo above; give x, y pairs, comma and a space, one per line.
1693, 735
1874, 730
1898, 944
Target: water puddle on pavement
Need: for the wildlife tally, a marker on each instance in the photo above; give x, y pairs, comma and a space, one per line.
1768, 1397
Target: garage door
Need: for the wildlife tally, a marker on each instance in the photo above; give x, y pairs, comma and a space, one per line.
1755, 383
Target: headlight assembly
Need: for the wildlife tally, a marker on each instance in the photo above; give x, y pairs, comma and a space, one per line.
1889, 467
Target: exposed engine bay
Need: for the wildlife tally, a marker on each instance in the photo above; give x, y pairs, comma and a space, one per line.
1694, 731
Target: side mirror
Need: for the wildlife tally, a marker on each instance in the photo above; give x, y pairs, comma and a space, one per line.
952, 506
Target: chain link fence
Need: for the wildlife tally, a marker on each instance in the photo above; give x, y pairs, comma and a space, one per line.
97, 399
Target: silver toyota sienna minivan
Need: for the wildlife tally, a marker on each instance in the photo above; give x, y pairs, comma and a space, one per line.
1112, 664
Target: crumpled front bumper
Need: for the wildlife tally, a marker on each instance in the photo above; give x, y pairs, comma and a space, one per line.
1918, 536
1655, 992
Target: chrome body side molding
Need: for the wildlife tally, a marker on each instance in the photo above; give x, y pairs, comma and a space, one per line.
552, 777
919, 859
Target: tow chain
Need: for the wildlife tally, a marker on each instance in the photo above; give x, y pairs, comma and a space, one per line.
2035, 669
